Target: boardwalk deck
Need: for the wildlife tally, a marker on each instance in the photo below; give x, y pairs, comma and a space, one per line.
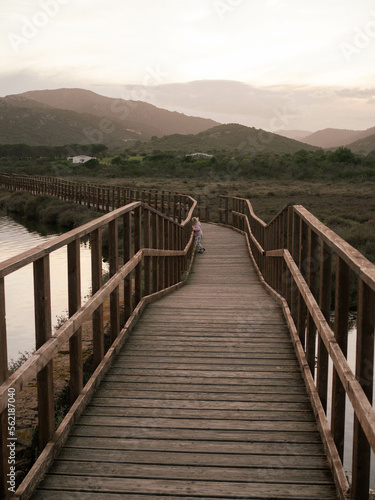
205, 400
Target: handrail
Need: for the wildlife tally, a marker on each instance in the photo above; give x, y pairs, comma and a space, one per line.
299, 259
157, 252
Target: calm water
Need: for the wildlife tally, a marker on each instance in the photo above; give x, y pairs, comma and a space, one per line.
14, 239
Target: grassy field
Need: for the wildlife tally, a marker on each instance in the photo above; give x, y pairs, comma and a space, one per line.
346, 207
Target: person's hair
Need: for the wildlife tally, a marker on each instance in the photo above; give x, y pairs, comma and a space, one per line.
194, 220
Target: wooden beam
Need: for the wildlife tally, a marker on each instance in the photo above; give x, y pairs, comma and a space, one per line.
43, 330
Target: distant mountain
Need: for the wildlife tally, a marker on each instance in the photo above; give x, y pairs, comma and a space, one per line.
333, 138
231, 138
298, 135
57, 117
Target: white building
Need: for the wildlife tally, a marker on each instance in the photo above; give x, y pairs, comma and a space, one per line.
81, 158
200, 155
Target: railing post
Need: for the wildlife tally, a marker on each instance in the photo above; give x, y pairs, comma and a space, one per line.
155, 260
341, 334
161, 224
113, 268
74, 303
147, 244
295, 243
43, 330
365, 375
167, 261
226, 220
325, 306
312, 280
137, 247
4, 466
127, 243
96, 276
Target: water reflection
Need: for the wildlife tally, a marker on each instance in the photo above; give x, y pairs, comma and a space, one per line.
15, 238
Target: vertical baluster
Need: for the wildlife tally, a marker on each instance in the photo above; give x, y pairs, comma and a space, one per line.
161, 222
147, 244
96, 279
325, 306
341, 334
43, 331
155, 260
365, 375
137, 247
114, 298
127, 242
303, 251
74, 303
312, 280
166, 259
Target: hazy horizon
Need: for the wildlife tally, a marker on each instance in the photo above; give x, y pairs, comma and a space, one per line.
272, 64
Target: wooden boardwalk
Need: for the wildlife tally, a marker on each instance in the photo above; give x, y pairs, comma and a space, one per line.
205, 400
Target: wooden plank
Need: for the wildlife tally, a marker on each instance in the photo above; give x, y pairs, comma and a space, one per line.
188, 458
202, 488
271, 415
200, 404
285, 429
180, 434
297, 476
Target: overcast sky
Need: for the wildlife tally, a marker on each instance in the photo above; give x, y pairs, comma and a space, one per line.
322, 47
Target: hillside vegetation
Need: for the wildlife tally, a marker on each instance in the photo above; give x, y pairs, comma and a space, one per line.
231, 138
58, 117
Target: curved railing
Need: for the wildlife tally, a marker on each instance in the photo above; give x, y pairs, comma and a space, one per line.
154, 258
315, 272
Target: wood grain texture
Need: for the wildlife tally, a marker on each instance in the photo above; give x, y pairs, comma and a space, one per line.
205, 400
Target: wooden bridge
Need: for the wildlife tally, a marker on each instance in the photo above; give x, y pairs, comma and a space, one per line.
217, 390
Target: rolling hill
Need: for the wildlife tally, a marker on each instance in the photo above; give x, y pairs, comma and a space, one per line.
364, 145
231, 138
64, 116
358, 140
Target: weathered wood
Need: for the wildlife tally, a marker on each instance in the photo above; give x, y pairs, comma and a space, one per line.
113, 269
43, 331
325, 306
96, 284
74, 303
341, 335
365, 375
127, 244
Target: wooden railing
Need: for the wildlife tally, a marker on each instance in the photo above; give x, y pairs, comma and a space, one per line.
154, 258
105, 198
314, 273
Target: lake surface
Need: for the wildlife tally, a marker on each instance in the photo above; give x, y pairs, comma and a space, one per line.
14, 239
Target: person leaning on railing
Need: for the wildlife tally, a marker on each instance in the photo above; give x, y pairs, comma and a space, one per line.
197, 228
